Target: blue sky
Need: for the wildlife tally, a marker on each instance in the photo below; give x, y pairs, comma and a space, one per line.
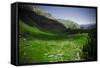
76, 14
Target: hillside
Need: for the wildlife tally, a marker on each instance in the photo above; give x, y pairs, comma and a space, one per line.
69, 24
45, 21
33, 18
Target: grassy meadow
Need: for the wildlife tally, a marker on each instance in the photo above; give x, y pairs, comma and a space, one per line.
38, 46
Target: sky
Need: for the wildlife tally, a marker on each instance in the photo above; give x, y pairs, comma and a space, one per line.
76, 14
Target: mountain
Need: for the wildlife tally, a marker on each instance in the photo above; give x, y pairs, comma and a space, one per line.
34, 16
88, 26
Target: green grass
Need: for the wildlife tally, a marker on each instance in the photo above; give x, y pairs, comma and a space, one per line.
37, 46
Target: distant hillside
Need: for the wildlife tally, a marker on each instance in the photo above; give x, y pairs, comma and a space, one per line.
69, 24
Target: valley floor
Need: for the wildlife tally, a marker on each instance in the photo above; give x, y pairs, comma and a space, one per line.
36, 46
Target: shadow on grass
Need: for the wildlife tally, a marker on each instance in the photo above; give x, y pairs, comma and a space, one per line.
51, 37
